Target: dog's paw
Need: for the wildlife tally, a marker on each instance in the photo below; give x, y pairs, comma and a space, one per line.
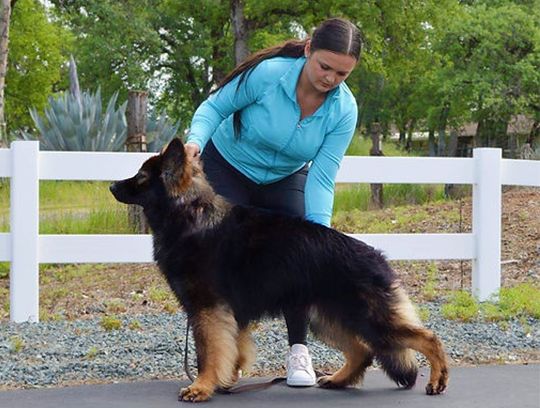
194, 394
328, 381
437, 388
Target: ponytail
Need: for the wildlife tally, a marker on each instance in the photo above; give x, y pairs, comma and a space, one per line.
292, 48
335, 34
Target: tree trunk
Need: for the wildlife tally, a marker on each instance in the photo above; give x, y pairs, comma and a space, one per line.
478, 136
377, 198
534, 133
241, 32
136, 142
402, 135
512, 146
451, 190
5, 15
408, 143
217, 55
443, 120
431, 143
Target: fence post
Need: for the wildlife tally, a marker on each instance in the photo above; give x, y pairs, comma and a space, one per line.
486, 270
24, 226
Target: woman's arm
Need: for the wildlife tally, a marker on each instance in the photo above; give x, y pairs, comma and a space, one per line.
223, 103
319, 191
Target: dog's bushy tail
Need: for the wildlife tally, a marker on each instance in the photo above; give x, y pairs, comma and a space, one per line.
399, 362
400, 366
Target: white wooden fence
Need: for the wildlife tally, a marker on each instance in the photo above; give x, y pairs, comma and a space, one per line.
25, 248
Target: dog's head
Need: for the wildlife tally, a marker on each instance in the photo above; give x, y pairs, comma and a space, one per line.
167, 175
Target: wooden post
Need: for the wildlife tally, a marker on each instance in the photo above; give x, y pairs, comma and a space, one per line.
376, 189
136, 142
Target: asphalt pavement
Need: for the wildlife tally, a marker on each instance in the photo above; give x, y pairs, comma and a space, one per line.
500, 386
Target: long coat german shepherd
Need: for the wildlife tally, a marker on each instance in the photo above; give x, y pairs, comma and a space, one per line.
229, 265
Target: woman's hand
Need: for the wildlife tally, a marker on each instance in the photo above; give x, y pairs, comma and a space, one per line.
192, 151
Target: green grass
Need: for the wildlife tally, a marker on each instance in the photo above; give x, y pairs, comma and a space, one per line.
360, 146
73, 207
520, 301
109, 323
461, 306
97, 221
430, 286
17, 344
358, 196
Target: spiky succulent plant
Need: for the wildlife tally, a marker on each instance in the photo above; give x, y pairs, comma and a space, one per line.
159, 132
70, 123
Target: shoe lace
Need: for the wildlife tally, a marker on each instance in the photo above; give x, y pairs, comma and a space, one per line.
298, 362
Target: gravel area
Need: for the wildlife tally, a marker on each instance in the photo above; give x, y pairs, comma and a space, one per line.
81, 351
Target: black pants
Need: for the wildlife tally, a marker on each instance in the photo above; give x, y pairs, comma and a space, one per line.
284, 196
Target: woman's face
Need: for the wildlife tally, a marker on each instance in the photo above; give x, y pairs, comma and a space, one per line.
326, 69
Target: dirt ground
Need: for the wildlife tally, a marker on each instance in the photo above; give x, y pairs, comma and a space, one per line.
520, 246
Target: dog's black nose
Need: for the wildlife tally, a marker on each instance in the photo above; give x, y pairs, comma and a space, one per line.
112, 188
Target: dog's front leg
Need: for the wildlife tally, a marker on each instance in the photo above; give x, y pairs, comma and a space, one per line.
215, 331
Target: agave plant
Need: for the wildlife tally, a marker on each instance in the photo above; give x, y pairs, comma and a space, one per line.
159, 132
77, 122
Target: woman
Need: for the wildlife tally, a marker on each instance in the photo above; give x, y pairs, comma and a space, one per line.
274, 133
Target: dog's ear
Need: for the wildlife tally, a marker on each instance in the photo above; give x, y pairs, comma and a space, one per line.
174, 151
175, 171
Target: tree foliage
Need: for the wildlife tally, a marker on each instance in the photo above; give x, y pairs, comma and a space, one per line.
492, 63
427, 64
37, 56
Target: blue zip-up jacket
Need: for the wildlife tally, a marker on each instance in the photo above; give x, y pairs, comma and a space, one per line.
274, 142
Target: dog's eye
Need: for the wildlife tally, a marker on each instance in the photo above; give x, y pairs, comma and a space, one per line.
141, 178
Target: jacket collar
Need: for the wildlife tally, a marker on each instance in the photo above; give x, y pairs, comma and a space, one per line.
289, 80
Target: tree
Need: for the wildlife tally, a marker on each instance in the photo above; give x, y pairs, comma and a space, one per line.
37, 56
5, 16
493, 63
165, 48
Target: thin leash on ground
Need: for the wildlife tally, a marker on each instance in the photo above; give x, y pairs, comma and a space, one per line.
239, 388
232, 390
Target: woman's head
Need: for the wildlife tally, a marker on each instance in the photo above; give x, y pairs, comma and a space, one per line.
332, 53
337, 35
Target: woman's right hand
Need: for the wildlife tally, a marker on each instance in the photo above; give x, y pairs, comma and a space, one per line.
192, 151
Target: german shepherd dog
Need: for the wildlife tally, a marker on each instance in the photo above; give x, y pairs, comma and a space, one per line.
230, 265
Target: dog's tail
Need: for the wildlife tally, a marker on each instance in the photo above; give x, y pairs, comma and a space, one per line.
400, 366
400, 363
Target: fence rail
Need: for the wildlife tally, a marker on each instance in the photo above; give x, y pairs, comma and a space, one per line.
25, 248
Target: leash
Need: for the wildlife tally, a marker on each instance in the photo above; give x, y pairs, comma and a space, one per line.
186, 359
238, 388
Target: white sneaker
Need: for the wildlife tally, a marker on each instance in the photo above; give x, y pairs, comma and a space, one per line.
299, 369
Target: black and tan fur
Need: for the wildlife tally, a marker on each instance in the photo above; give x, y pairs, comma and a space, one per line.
230, 265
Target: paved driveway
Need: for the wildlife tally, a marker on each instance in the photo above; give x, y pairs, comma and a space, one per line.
486, 386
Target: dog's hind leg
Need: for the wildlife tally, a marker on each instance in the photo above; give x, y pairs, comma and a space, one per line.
427, 343
216, 333
409, 333
246, 353
358, 356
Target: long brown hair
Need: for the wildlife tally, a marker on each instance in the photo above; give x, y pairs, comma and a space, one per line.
335, 34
